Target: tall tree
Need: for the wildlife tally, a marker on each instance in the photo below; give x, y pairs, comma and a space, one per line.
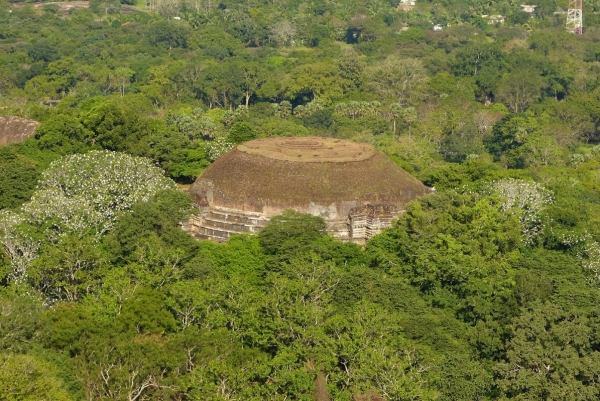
398, 78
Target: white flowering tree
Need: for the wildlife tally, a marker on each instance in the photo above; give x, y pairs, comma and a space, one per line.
84, 192
20, 246
218, 148
590, 261
78, 195
530, 198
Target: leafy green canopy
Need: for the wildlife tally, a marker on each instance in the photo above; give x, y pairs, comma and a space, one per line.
18, 179
291, 232
487, 290
27, 378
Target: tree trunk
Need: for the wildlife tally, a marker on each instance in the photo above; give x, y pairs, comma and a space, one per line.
321, 393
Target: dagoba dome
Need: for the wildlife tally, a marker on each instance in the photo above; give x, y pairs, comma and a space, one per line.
353, 187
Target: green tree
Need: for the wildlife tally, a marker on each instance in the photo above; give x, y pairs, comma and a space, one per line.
154, 223
397, 78
351, 68
254, 77
223, 84
108, 124
241, 132
291, 234
122, 357
105, 7
425, 247
519, 90
18, 179
509, 135
28, 378
42, 51
312, 81
167, 34
365, 350
69, 269
551, 354
63, 134
123, 77
21, 323
474, 58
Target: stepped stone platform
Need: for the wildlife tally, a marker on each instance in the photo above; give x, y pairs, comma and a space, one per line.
357, 190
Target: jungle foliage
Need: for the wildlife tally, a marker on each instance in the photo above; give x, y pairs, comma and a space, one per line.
487, 289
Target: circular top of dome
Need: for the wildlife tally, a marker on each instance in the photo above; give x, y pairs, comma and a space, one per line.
263, 175
308, 149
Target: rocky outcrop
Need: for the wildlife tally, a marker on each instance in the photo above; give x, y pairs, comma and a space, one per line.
16, 129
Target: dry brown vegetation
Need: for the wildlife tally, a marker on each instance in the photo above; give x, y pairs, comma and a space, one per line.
250, 182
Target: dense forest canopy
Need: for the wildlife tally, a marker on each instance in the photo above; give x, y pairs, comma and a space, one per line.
487, 289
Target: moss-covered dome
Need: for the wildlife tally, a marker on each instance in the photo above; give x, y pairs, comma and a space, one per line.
327, 177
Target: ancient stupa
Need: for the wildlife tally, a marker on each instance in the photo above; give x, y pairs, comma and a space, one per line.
353, 187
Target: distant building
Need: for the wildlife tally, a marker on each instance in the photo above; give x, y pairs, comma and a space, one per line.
527, 8
494, 19
406, 5
437, 27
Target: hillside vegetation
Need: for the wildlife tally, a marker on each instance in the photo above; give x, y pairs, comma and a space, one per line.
487, 289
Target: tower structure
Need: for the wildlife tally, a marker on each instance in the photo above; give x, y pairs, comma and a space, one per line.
575, 17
